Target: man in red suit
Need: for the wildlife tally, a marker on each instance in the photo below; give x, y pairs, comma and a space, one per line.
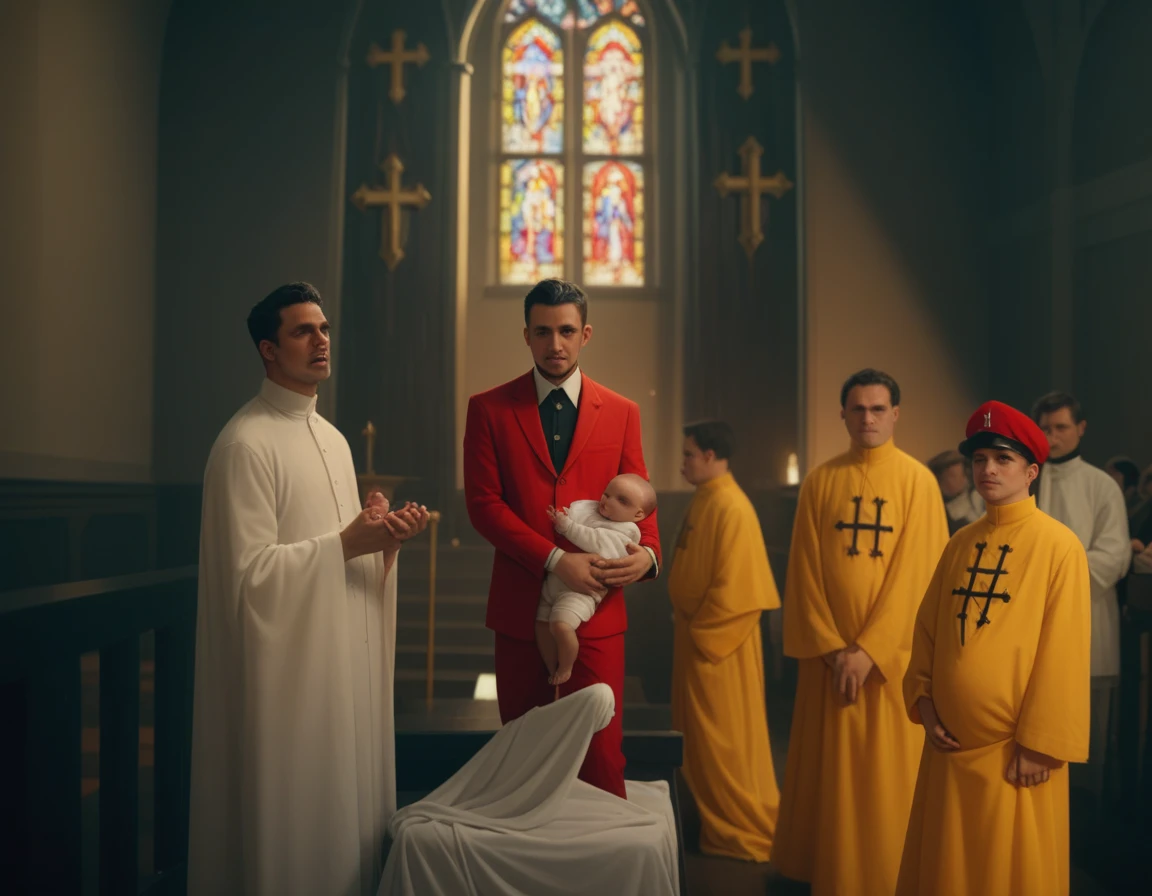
551, 437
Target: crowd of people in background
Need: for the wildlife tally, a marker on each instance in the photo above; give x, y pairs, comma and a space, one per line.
964, 505
1136, 487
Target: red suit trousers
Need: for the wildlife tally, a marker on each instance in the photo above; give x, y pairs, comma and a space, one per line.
522, 684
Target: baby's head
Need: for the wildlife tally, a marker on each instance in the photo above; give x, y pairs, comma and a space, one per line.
627, 499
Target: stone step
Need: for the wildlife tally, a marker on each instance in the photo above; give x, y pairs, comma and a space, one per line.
418, 589
464, 659
451, 563
452, 608
449, 633
447, 683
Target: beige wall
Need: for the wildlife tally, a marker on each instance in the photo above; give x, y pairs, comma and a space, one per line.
866, 308
78, 226
894, 211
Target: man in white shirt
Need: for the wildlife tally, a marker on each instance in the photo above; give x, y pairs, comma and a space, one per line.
293, 764
962, 502
1089, 502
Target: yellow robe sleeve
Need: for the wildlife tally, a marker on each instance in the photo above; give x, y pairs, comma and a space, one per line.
740, 589
887, 636
1054, 717
918, 677
809, 629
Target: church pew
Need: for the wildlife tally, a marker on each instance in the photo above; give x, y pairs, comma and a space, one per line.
43, 633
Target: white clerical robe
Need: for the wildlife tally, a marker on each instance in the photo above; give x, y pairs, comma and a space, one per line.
293, 748
1089, 502
965, 508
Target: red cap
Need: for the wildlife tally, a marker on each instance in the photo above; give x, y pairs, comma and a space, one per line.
996, 425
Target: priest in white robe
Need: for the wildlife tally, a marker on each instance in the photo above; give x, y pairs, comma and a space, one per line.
293, 749
1089, 502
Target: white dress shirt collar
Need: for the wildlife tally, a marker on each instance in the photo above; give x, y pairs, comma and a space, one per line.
571, 386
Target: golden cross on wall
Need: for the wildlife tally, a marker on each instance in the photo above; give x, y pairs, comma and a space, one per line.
753, 185
397, 58
746, 55
392, 198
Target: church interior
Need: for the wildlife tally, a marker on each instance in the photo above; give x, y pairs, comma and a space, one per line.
759, 197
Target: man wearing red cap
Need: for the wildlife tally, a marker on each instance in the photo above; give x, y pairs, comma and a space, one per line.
999, 678
869, 528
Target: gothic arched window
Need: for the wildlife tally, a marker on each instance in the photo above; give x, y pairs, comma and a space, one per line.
574, 150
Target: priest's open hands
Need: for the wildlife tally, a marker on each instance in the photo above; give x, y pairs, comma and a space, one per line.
378, 528
618, 573
938, 735
1028, 768
407, 522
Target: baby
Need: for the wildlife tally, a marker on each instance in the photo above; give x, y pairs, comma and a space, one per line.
603, 527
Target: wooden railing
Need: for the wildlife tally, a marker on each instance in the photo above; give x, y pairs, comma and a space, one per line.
43, 633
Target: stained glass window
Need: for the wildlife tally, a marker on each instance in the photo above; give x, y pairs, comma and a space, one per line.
614, 91
555, 11
533, 92
531, 220
614, 223
589, 12
599, 141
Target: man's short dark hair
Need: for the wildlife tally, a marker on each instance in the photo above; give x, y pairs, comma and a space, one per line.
264, 318
556, 292
1054, 401
712, 435
870, 377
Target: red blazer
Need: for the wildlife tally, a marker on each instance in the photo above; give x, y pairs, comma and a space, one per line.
509, 483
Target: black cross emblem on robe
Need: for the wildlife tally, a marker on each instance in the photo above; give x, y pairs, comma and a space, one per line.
968, 594
875, 527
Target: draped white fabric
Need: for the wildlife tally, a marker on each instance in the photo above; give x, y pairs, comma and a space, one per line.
516, 821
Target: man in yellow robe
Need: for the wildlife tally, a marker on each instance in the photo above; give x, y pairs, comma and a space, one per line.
720, 584
999, 677
870, 526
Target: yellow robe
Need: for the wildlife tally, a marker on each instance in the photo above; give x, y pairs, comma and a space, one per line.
851, 768
719, 585
1022, 677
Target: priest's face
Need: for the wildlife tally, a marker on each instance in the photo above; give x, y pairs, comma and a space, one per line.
556, 335
869, 416
1002, 476
301, 358
1063, 432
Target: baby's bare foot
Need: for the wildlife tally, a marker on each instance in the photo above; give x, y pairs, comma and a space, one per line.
560, 676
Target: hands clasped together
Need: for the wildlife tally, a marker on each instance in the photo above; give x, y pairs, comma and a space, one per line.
586, 573
851, 667
1141, 557
1026, 768
379, 528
